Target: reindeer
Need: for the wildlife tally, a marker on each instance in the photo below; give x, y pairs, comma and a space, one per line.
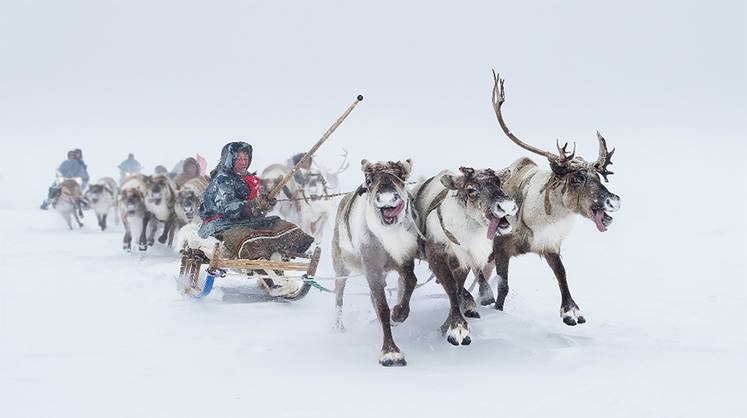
549, 201
132, 211
375, 233
102, 197
65, 198
188, 200
160, 198
308, 206
460, 216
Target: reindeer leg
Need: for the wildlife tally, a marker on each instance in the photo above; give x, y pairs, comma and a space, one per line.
455, 327
103, 222
142, 241
152, 231
341, 270
166, 230
569, 311
486, 294
77, 220
127, 241
390, 353
67, 221
469, 307
401, 311
502, 257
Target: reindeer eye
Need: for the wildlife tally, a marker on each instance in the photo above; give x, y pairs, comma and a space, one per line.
368, 180
472, 192
578, 178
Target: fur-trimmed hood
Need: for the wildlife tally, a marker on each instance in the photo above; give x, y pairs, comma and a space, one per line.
227, 155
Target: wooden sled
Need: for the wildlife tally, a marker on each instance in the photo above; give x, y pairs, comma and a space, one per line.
268, 272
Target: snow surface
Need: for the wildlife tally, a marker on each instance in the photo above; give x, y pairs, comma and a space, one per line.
89, 331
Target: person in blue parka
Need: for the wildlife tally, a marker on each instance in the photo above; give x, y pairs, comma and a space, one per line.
235, 208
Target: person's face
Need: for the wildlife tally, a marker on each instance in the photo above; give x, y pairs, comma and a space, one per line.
191, 170
241, 162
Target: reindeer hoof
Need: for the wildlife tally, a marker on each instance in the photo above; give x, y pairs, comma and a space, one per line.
471, 314
487, 301
572, 316
458, 334
162, 240
392, 359
399, 314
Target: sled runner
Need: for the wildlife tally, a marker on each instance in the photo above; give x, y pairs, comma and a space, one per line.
269, 272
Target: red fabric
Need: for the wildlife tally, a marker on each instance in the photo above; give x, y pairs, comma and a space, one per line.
212, 218
252, 182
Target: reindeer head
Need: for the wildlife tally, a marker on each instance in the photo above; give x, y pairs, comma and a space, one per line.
315, 184
385, 184
94, 193
189, 201
480, 192
578, 181
132, 201
158, 189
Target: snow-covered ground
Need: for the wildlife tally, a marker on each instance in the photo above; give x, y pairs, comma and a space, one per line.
87, 330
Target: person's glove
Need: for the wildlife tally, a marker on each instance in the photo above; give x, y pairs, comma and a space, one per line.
265, 204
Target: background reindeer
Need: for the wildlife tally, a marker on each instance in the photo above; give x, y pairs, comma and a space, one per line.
102, 198
65, 198
549, 201
132, 211
188, 200
160, 198
310, 207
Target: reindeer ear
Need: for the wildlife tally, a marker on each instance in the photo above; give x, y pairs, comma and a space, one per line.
449, 182
406, 167
467, 171
504, 175
364, 164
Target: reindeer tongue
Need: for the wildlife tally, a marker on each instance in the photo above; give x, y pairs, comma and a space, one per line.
392, 212
493, 227
598, 220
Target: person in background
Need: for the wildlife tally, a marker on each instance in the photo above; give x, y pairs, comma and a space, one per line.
189, 170
161, 170
72, 168
300, 175
129, 167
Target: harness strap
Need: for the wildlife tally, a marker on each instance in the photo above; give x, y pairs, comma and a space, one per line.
348, 207
436, 205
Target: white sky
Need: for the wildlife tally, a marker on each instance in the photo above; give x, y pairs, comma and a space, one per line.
166, 79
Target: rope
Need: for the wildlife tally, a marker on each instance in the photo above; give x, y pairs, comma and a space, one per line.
325, 197
315, 284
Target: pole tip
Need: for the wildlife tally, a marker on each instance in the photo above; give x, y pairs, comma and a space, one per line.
360, 97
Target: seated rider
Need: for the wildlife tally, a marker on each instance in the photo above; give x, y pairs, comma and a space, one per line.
189, 169
234, 211
129, 167
72, 168
300, 175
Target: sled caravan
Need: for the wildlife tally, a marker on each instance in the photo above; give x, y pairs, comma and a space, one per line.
468, 220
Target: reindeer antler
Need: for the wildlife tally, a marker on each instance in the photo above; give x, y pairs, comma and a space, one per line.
344, 165
499, 96
563, 156
604, 159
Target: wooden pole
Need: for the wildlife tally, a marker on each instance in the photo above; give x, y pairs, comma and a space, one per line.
279, 187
